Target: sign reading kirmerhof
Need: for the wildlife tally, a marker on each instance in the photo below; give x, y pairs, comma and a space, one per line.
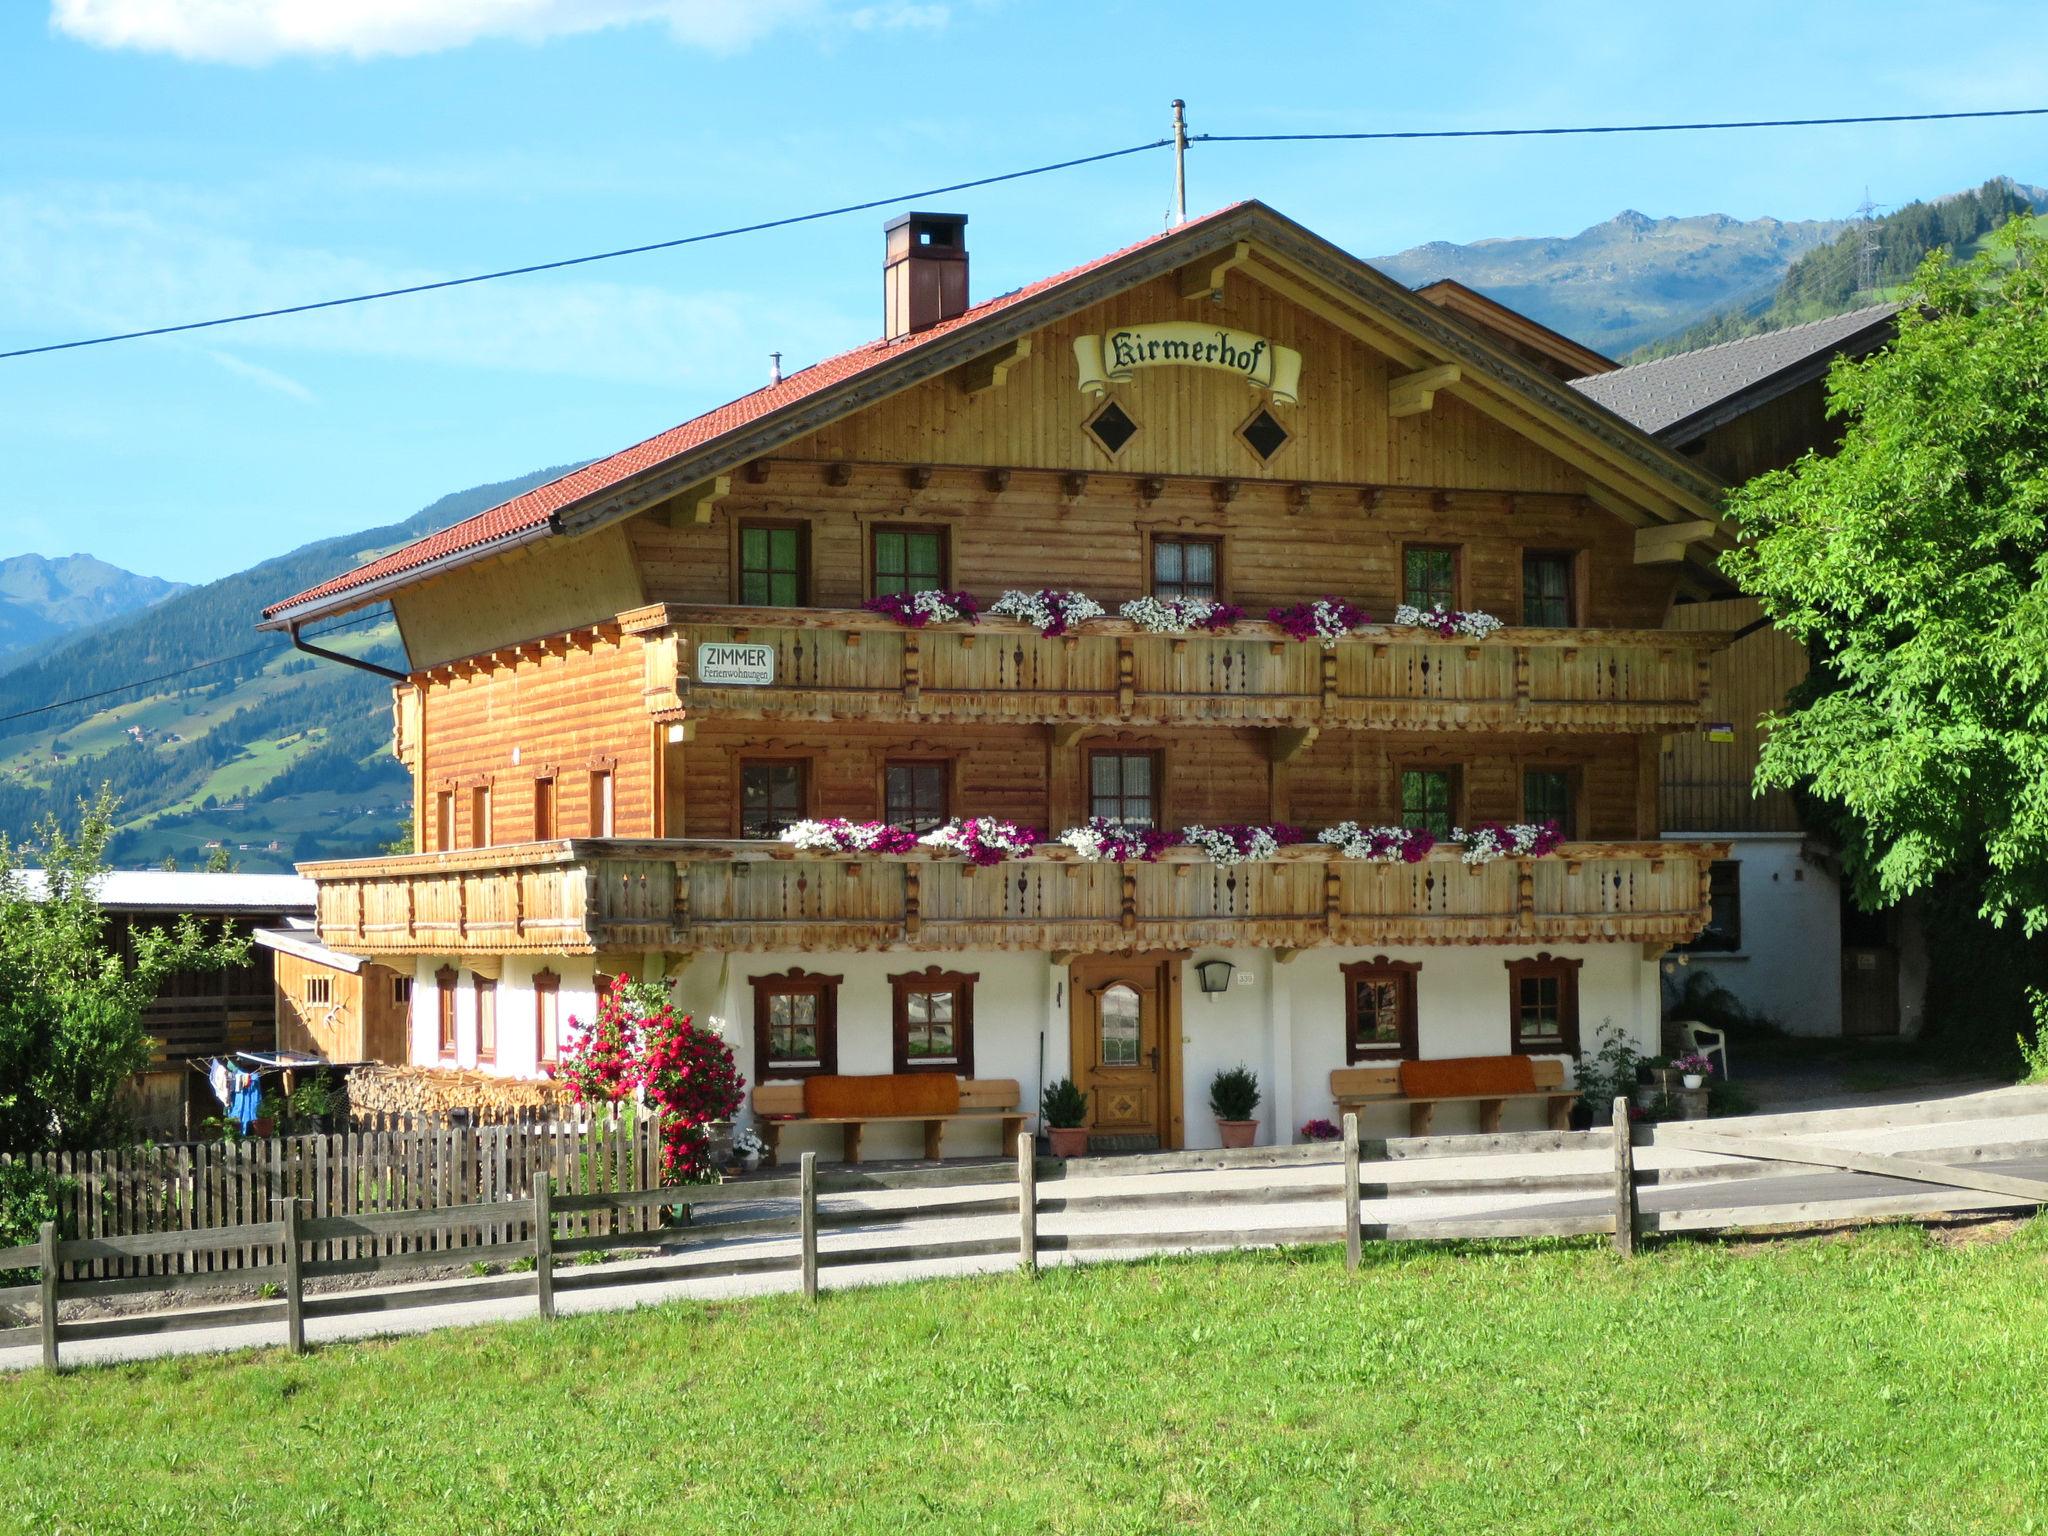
1114, 356
726, 664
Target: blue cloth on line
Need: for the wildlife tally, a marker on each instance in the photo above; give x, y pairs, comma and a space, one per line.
248, 1100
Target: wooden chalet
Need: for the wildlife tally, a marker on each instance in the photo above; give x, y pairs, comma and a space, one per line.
627, 683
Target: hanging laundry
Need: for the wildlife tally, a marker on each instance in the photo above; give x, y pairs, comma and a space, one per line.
220, 1080
248, 1100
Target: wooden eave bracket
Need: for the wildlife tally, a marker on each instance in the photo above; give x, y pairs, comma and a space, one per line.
1661, 543
991, 369
1204, 279
1412, 394
1285, 743
694, 505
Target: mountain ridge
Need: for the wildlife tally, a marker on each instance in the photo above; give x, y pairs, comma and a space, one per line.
44, 599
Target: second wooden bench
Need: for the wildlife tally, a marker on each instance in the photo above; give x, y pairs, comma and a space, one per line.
916, 1098
1488, 1081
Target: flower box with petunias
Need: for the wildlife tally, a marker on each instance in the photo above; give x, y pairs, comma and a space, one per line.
1379, 845
981, 840
1052, 611
834, 834
1105, 841
1181, 615
1241, 843
1491, 840
1449, 622
1325, 621
914, 610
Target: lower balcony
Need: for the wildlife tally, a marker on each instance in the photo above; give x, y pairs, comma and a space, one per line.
589, 897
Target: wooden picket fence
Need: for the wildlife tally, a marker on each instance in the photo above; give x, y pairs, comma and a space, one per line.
410, 1164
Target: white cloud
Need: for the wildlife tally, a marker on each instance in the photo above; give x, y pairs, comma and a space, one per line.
258, 31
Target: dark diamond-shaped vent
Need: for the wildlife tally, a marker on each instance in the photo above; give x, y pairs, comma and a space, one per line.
1112, 428
1264, 436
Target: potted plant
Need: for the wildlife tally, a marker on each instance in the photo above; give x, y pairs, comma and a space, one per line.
1233, 1099
1694, 1070
1321, 1129
1065, 1108
747, 1148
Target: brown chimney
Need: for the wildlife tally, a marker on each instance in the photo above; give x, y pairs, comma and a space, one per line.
924, 271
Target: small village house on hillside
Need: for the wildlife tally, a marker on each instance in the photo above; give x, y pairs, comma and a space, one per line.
1784, 939
628, 684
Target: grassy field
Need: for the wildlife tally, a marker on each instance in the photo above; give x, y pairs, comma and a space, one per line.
1890, 1382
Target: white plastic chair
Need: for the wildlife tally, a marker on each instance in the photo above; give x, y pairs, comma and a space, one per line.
1707, 1041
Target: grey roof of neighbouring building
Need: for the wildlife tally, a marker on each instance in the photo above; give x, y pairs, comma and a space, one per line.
181, 890
1672, 391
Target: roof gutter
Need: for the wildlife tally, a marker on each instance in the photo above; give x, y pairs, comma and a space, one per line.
347, 661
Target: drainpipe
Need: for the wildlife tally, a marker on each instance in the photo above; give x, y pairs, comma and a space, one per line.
347, 661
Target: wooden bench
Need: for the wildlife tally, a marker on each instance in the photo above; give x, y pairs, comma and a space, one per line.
1358, 1088
779, 1105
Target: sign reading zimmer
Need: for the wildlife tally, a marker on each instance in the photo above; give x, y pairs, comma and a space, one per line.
1112, 358
724, 664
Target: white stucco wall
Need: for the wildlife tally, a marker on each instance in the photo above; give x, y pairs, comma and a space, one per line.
1790, 965
1284, 1021
517, 1038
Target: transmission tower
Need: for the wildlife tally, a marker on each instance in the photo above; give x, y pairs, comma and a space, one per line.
1867, 247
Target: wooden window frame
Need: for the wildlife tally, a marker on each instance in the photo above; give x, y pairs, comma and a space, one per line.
1566, 972
1574, 585
802, 529
318, 990
797, 982
1110, 749
480, 808
444, 820
941, 531
484, 988
934, 979
1408, 975
1114, 455
945, 767
401, 991
445, 1023
1575, 787
548, 985
800, 760
601, 815
1157, 537
1457, 554
1455, 772
547, 807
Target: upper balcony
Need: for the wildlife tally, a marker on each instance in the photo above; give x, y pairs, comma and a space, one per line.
847, 664
585, 897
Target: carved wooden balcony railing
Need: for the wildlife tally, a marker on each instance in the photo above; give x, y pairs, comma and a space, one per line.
845, 664
583, 897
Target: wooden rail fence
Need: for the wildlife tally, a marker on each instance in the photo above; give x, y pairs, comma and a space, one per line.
534, 1231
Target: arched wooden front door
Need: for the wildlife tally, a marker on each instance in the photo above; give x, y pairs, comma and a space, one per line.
1126, 1047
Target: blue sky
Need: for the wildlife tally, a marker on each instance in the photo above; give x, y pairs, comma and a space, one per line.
164, 160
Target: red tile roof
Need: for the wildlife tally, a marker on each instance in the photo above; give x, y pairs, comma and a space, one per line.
531, 510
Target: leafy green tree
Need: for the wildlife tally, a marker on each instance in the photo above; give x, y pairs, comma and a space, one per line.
71, 1007
1914, 565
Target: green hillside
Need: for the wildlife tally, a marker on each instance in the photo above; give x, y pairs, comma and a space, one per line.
1839, 276
244, 743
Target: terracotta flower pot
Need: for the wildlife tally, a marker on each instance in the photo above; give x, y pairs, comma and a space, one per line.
1238, 1133
1068, 1140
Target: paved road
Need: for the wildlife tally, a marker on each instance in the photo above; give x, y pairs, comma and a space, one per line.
1209, 1201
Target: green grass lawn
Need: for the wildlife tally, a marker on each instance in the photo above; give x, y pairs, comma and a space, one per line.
1889, 1382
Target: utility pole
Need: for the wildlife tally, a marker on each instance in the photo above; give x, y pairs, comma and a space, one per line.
1866, 250
1180, 161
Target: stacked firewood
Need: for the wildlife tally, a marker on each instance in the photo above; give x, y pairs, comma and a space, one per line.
378, 1090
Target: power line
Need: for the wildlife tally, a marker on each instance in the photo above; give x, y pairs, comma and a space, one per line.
1005, 176
1523, 133
578, 261
197, 666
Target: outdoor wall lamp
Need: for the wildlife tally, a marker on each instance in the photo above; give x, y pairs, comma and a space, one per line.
1214, 975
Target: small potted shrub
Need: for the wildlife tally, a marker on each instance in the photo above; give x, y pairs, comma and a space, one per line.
1065, 1108
1693, 1070
1233, 1100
